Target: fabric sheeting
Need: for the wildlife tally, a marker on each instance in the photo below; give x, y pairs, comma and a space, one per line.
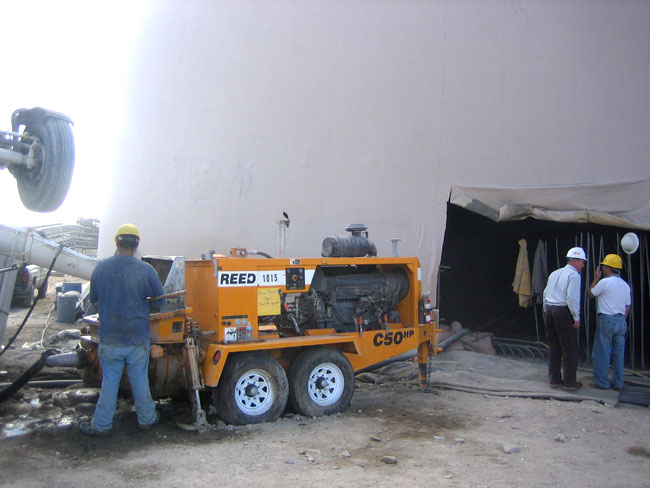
621, 204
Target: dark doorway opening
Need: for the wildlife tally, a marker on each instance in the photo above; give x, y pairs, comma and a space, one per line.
479, 258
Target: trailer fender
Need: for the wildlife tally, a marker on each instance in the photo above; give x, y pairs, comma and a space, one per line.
215, 360
24, 116
216, 355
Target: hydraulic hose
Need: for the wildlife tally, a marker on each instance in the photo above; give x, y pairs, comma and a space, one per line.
29, 312
514, 393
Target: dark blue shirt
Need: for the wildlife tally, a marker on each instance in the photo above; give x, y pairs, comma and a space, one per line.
120, 286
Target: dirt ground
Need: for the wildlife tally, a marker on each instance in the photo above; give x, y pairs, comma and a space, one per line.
393, 434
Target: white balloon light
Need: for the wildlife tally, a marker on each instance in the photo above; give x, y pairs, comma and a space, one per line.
630, 243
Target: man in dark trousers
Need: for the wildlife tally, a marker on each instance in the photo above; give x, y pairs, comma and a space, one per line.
562, 319
120, 286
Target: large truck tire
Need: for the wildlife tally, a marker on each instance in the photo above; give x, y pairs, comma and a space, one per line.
253, 388
44, 187
321, 382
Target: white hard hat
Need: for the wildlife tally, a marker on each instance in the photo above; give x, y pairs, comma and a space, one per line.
576, 253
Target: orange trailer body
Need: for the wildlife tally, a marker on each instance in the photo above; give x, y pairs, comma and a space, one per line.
262, 333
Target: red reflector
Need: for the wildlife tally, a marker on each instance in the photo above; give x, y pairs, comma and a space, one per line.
216, 357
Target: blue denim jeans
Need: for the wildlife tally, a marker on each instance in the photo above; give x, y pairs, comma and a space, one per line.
609, 343
113, 359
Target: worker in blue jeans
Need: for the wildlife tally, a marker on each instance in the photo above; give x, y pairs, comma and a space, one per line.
613, 308
121, 286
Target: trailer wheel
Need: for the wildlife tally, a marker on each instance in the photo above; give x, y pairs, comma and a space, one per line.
253, 389
321, 382
44, 187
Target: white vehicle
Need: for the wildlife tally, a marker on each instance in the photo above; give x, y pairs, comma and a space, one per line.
41, 157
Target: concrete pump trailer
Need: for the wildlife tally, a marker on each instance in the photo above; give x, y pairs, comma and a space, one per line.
258, 334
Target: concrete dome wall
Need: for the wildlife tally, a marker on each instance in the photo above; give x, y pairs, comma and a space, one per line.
339, 112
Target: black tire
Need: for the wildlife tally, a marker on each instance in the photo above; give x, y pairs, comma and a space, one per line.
253, 389
43, 188
28, 299
321, 382
42, 290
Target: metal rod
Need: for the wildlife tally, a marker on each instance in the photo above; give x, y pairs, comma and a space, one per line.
587, 282
641, 295
9, 157
167, 295
595, 264
578, 332
631, 321
647, 266
47, 383
586, 298
10, 133
536, 321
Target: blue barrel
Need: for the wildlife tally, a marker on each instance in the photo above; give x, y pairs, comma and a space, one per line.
66, 308
70, 286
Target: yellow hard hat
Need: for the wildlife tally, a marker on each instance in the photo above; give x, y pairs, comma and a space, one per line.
613, 261
127, 232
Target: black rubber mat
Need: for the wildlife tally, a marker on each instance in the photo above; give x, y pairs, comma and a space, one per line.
638, 395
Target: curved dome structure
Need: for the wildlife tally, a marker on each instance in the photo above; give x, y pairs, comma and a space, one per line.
339, 112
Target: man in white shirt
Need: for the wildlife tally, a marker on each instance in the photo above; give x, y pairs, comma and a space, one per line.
613, 307
562, 320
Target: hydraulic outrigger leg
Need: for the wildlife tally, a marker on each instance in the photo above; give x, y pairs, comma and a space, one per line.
190, 351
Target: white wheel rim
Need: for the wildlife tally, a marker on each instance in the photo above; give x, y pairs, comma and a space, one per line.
254, 393
325, 385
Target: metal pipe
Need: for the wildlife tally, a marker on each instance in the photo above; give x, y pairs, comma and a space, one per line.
9, 157
68, 359
36, 249
631, 317
395, 240
453, 338
47, 383
18, 245
647, 264
642, 261
579, 243
586, 297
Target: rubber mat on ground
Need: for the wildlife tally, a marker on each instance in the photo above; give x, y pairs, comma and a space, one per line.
638, 395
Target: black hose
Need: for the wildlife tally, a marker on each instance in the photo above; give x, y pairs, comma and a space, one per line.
453, 338
49, 383
408, 355
26, 376
29, 312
